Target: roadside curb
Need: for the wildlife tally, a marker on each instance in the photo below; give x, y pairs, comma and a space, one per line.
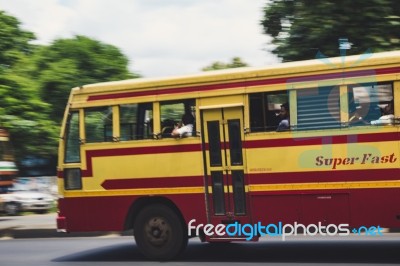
21, 233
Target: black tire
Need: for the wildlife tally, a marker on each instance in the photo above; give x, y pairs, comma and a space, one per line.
12, 208
159, 232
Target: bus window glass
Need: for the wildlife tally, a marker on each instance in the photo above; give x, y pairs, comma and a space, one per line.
98, 124
172, 112
265, 110
72, 145
318, 108
136, 121
371, 104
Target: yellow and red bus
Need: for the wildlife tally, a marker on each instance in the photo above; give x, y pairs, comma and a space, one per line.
8, 168
337, 162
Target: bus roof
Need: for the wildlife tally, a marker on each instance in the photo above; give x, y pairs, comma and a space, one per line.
248, 73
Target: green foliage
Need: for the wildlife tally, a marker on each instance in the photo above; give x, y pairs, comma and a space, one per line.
25, 115
13, 40
22, 111
35, 82
69, 63
301, 28
236, 62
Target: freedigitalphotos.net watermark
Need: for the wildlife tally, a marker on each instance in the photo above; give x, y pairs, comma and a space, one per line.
249, 231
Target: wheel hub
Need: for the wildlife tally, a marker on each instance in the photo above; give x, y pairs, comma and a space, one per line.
158, 231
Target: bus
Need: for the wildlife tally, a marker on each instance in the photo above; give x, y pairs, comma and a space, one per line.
335, 163
8, 168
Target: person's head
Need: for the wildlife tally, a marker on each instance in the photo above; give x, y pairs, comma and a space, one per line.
388, 109
187, 119
284, 113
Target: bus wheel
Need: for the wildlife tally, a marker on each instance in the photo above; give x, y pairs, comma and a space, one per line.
159, 233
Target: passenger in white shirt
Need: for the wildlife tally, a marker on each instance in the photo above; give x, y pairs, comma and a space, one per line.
185, 129
387, 116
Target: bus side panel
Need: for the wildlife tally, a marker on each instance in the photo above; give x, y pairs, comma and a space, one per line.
274, 208
95, 213
356, 207
109, 213
372, 207
304, 207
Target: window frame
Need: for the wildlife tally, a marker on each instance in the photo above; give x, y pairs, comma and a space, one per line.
168, 124
267, 119
353, 108
140, 124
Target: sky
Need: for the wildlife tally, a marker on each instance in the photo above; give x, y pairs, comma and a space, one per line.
160, 37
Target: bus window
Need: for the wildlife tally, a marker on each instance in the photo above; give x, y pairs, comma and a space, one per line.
371, 104
318, 108
136, 121
265, 109
72, 153
171, 114
98, 124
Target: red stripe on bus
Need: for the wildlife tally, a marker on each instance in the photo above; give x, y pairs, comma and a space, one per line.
158, 182
259, 179
246, 83
144, 150
324, 140
324, 176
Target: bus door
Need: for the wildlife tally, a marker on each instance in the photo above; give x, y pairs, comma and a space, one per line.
223, 133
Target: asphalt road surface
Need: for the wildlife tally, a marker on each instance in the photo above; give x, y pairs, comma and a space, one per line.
31, 240
121, 250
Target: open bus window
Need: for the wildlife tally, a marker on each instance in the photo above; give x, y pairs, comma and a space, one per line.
265, 110
136, 121
98, 124
172, 112
371, 104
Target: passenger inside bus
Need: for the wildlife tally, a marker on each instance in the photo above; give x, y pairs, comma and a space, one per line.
368, 103
284, 118
185, 127
387, 116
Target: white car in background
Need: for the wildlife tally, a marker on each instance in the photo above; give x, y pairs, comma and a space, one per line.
18, 201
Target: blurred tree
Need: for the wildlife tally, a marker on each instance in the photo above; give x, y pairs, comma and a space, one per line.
26, 116
22, 111
35, 82
69, 63
14, 42
301, 28
236, 62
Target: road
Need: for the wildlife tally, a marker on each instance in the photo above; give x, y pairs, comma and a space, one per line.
121, 250
112, 249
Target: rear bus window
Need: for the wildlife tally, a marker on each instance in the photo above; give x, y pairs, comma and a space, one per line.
72, 143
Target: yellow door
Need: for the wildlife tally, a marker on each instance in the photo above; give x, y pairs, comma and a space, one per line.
223, 135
